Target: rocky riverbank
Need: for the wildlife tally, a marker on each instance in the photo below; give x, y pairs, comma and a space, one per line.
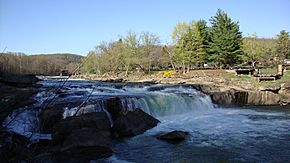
223, 91
16, 91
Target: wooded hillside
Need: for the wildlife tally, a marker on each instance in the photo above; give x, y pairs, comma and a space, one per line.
40, 64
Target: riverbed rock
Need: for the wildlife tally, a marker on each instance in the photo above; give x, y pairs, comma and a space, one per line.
133, 123
128, 122
98, 121
263, 98
114, 107
18, 80
49, 118
53, 114
12, 97
230, 98
87, 136
174, 136
13, 147
88, 143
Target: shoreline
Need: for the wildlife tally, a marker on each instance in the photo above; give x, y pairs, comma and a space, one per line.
223, 91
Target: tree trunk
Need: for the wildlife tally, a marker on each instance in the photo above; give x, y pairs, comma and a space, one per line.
127, 69
188, 69
183, 68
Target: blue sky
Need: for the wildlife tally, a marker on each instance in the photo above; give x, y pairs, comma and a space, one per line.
77, 26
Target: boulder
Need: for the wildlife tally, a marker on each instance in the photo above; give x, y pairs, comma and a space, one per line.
174, 136
51, 157
114, 107
86, 136
133, 123
13, 98
128, 123
88, 143
98, 121
19, 80
13, 147
49, 118
52, 115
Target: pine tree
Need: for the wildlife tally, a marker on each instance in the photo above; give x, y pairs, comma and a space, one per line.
199, 42
225, 40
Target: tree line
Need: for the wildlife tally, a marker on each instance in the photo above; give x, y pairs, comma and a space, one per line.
131, 52
41, 64
195, 45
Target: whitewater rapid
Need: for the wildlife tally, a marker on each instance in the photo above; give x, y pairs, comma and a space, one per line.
216, 134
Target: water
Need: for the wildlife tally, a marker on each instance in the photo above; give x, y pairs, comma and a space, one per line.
215, 134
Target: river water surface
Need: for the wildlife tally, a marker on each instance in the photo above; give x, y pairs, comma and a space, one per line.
241, 134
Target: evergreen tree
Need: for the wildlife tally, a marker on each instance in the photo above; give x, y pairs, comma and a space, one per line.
283, 45
198, 42
225, 40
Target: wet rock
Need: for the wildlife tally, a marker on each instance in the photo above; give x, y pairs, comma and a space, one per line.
52, 115
13, 98
50, 157
41, 144
174, 136
98, 121
128, 123
86, 136
88, 143
114, 107
18, 80
40, 147
13, 147
133, 123
88, 109
49, 118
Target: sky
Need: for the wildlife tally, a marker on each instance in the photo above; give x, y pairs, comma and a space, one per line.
78, 26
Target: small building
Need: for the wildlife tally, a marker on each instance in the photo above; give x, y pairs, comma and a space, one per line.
64, 73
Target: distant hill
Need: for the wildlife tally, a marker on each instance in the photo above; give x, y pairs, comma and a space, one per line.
39, 64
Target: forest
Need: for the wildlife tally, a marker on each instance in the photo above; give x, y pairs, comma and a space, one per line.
195, 45
41, 64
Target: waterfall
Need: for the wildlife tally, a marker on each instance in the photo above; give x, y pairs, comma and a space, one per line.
157, 100
162, 104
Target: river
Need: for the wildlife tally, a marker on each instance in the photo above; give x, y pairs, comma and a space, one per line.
216, 134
